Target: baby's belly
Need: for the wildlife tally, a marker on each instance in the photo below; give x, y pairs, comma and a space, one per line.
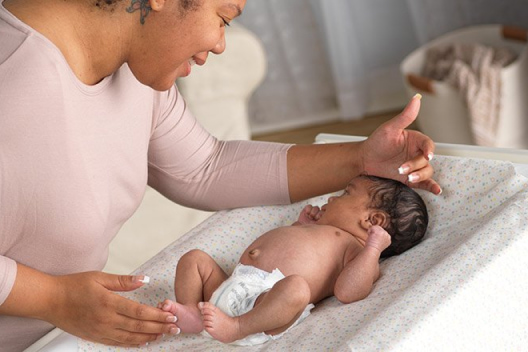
319, 274
318, 263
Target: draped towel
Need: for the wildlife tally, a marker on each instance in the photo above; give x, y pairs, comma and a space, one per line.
475, 70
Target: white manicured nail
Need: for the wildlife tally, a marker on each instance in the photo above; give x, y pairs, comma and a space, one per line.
418, 95
145, 280
413, 178
172, 319
430, 156
403, 170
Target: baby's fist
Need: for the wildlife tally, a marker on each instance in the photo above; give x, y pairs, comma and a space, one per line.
309, 215
378, 238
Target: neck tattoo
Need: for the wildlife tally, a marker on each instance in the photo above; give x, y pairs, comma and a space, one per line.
141, 5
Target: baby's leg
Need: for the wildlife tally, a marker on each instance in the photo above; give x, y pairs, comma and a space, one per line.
197, 276
274, 312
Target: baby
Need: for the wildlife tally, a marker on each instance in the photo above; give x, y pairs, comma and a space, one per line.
332, 250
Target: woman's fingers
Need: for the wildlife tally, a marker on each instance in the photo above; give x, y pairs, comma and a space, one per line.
141, 318
416, 169
428, 148
418, 173
125, 339
428, 185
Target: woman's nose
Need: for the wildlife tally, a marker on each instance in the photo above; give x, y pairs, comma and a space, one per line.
220, 46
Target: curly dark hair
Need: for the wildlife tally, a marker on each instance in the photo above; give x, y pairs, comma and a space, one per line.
406, 210
185, 5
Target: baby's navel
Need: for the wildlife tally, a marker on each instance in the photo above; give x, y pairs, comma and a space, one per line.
254, 253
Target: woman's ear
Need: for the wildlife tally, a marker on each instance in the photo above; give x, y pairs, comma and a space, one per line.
157, 5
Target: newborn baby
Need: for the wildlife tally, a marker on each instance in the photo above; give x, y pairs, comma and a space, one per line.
332, 250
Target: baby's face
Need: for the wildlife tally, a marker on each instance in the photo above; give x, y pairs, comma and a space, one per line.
349, 208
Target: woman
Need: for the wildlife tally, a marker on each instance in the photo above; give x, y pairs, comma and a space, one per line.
89, 114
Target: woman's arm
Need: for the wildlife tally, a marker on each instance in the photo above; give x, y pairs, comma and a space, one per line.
85, 306
192, 168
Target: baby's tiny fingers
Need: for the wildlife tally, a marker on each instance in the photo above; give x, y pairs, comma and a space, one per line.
307, 209
315, 210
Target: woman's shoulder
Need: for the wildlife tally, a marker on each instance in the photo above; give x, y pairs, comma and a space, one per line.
25, 58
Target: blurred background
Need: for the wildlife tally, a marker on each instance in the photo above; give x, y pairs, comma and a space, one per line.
338, 60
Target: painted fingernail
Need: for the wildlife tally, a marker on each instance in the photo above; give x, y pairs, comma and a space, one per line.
402, 170
418, 96
430, 156
145, 280
174, 331
171, 319
413, 178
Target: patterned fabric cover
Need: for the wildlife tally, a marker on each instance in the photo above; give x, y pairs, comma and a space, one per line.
462, 288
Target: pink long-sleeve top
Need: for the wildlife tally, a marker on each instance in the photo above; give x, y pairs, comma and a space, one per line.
75, 161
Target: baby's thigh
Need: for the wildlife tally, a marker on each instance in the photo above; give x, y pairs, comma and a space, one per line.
200, 267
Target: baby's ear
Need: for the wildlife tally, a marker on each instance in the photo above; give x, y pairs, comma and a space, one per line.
379, 218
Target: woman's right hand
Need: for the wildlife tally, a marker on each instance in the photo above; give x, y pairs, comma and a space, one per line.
87, 305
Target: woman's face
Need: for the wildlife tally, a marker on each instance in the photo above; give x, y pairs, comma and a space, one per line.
172, 37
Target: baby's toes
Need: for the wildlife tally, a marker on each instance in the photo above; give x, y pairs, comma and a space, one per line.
167, 305
207, 309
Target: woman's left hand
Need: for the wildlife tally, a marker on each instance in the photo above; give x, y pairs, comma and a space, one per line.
403, 155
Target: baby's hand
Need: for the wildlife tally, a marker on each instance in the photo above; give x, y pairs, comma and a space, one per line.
310, 215
378, 238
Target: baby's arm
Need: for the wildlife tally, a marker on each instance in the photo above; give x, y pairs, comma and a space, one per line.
309, 215
358, 276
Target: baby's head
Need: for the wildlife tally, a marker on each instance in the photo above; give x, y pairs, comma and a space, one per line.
368, 201
406, 213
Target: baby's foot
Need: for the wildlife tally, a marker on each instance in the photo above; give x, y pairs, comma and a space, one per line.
189, 317
218, 324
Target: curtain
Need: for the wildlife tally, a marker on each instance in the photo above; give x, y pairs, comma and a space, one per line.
298, 89
330, 59
433, 18
366, 41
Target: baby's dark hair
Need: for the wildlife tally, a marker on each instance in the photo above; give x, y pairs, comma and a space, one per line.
408, 217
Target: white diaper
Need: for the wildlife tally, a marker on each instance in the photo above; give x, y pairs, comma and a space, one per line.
237, 296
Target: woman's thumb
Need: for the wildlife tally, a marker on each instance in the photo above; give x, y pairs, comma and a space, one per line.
408, 115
